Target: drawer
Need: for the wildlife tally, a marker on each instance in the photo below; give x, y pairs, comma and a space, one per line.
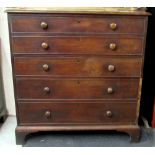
79, 88
77, 66
77, 24
76, 113
102, 45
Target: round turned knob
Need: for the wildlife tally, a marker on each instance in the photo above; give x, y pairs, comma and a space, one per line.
78, 21
110, 90
47, 114
46, 89
44, 25
45, 67
113, 26
109, 113
112, 46
111, 68
44, 45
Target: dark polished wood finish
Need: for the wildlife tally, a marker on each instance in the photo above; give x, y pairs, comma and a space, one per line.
96, 45
76, 88
89, 66
77, 71
77, 24
76, 113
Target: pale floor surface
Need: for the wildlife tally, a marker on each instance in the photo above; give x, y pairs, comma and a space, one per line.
7, 133
7, 136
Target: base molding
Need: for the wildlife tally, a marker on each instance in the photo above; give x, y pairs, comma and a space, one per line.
22, 132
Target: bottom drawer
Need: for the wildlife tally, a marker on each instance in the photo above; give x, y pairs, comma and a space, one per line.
76, 113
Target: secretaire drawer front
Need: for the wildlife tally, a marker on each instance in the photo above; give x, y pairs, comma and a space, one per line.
103, 45
78, 88
77, 24
76, 113
77, 66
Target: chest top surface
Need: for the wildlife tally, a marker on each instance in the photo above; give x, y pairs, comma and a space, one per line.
80, 10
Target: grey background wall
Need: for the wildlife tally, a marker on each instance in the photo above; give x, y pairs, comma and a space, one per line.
6, 63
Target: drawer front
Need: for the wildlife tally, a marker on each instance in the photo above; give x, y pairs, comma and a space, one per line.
78, 66
95, 88
103, 45
76, 113
77, 24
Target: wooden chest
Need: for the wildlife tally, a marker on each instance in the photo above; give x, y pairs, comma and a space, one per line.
77, 71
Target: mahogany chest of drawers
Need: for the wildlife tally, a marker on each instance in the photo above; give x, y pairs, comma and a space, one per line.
77, 71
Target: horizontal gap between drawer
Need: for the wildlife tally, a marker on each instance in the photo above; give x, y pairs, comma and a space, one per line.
60, 124
37, 34
79, 100
62, 54
35, 55
81, 77
95, 101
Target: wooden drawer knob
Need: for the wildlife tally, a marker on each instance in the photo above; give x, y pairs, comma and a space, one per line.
46, 89
44, 45
45, 67
108, 113
44, 25
78, 21
111, 68
48, 114
110, 90
113, 26
112, 46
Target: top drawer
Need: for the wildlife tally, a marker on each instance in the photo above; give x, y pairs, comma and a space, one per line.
61, 23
